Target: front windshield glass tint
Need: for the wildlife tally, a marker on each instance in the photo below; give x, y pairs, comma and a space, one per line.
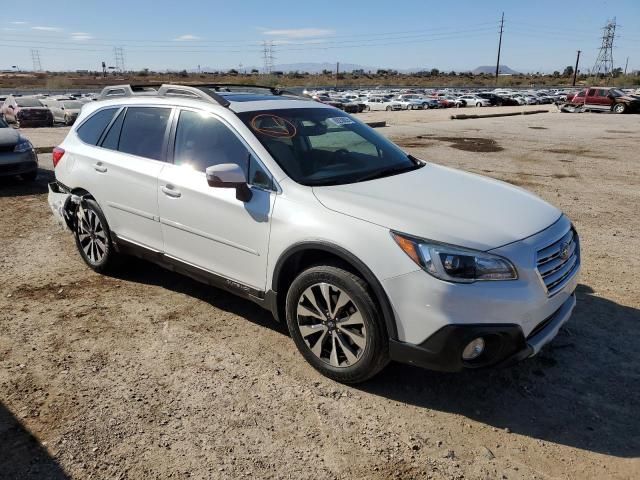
324, 146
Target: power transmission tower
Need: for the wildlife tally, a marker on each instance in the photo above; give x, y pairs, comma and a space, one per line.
499, 47
604, 62
35, 57
118, 55
267, 52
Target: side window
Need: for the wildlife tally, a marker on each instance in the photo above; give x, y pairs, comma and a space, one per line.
91, 130
603, 93
203, 141
143, 131
258, 176
112, 139
580, 94
592, 92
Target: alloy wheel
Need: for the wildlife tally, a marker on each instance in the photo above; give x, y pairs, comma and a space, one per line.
91, 235
331, 325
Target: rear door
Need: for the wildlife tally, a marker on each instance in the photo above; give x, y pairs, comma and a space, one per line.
592, 100
122, 172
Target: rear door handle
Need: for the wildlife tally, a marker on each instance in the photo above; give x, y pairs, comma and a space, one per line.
98, 167
170, 191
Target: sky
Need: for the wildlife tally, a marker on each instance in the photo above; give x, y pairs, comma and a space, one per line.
540, 35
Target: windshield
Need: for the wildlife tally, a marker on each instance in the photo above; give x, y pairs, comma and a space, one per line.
616, 93
72, 105
28, 102
322, 146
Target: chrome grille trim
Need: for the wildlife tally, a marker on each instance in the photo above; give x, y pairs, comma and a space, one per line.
554, 268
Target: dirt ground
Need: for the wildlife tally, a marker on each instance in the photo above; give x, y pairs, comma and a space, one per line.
148, 374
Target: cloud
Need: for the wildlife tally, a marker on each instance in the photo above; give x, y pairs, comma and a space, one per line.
81, 36
300, 32
18, 23
47, 29
186, 38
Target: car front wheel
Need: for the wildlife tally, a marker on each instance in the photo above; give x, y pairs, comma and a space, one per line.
335, 324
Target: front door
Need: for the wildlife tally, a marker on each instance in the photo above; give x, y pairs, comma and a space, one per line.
207, 227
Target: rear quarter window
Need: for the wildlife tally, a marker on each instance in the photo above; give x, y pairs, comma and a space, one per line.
91, 130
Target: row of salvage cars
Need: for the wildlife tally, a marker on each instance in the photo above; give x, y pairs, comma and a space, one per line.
41, 110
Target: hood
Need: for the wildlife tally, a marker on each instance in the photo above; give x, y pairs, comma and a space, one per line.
9, 137
445, 205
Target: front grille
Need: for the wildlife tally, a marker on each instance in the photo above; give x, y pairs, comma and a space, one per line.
6, 148
557, 262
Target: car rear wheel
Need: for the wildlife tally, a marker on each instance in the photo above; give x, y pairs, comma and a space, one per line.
335, 325
93, 237
389, 109
619, 108
478, 104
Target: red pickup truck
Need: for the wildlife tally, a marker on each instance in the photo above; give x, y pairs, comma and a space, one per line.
599, 98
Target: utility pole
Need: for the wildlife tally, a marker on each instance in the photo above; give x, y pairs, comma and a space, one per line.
626, 65
118, 54
337, 73
499, 47
575, 70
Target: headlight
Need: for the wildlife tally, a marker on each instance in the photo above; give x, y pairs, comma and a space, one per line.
455, 264
23, 145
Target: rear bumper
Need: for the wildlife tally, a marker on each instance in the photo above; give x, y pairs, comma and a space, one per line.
505, 343
13, 163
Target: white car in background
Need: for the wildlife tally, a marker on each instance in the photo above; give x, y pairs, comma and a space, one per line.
64, 111
381, 103
475, 101
410, 103
367, 253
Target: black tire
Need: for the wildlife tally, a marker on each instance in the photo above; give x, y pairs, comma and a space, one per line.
374, 356
30, 176
619, 108
110, 258
389, 109
367, 108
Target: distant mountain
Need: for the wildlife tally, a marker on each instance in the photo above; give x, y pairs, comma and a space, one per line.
492, 70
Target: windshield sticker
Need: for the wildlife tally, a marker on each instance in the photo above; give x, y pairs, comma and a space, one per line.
341, 121
273, 126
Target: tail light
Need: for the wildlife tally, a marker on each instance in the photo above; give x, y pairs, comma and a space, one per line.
57, 155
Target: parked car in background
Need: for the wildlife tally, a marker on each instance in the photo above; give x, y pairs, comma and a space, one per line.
379, 103
17, 156
64, 111
329, 101
604, 99
475, 100
507, 101
348, 106
26, 112
410, 103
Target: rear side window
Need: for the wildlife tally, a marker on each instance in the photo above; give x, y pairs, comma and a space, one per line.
91, 130
112, 138
143, 131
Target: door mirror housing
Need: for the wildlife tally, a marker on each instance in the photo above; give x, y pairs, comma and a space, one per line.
229, 175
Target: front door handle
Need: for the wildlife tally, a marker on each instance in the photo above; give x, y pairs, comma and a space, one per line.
98, 167
171, 191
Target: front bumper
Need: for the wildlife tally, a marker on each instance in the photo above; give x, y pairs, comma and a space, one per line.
436, 319
505, 344
14, 163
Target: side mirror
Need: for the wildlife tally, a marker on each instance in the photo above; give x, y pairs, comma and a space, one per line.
229, 175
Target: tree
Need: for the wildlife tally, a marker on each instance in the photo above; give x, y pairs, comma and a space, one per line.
435, 72
568, 71
556, 74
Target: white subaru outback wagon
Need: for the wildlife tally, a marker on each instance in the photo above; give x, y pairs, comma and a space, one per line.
366, 252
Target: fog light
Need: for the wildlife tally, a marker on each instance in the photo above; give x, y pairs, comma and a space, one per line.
473, 349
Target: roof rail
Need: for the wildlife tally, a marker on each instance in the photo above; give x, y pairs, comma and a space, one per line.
210, 92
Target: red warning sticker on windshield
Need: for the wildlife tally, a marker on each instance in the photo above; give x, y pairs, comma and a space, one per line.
273, 126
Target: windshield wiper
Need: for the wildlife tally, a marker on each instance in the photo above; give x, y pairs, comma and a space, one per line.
386, 172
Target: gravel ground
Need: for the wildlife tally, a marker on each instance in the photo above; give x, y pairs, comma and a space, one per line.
148, 374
